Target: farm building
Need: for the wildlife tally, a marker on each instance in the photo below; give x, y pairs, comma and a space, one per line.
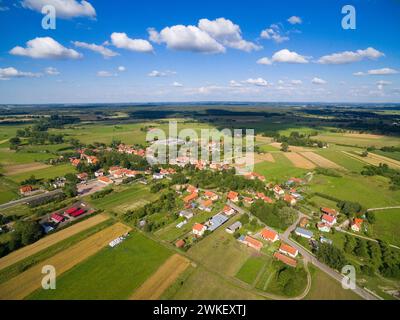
269, 235
288, 250
198, 229
285, 259
251, 242
56, 218
217, 221
303, 233
234, 227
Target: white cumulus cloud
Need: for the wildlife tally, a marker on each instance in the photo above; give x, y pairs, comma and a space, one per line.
295, 20
287, 56
227, 33
351, 56
274, 33
121, 68
156, 73
318, 81
105, 52
383, 71
257, 82
264, 61
122, 41
11, 72
64, 8
177, 84
45, 48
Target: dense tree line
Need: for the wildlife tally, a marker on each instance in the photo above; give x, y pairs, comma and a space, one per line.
276, 215
297, 139
331, 255
383, 170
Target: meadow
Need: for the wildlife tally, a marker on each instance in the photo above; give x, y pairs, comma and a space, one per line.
112, 273
387, 225
46, 173
250, 269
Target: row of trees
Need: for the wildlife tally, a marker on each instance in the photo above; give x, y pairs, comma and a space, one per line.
384, 170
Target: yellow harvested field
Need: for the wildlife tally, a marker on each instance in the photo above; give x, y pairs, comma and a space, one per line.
263, 157
375, 159
21, 168
320, 161
363, 135
27, 282
48, 241
299, 161
291, 148
165, 276
260, 138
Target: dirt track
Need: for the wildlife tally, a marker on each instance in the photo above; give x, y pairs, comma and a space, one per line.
167, 273
27, 282
48, 241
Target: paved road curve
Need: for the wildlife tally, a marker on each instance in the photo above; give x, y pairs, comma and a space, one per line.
26, 199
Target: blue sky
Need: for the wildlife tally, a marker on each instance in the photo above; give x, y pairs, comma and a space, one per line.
136, 51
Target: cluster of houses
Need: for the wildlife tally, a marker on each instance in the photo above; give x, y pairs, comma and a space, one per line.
328, 219
286, 253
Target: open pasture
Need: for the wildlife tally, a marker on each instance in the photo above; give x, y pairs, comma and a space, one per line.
30, 280
320, 161
299, 161
111, 273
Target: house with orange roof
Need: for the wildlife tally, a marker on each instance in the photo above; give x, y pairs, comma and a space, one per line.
92, 160
357, 224
198, 229
228, 210
211, 195
285, 259
191, 189
190, 197
206, 205
233, 196
75, 162
248, 200
180, 243
330, 220
269, 235
25, 189
105, 180
82, 176
251, 242
290, 199
278, 191
329, 211
288, 250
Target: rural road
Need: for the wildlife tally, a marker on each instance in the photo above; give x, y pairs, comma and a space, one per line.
26, 199
308, 257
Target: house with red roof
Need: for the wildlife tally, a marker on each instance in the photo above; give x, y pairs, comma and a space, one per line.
199, 229
206, 205
233, 196
329, 220
252, 243
357, 224
105, 180
192, 189
285, 259
323, 227
288, 250
75, 162
329, 211
180, 243
278, 191
248, 200
269, 235
190, 197
82, 176
290, 199
24, 190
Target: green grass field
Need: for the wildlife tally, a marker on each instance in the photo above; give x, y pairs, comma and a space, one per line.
387, 225
47, 173
250, 269
357, 188
30, 261
8, 190
343, 160
359, 141
112, 273
281, 169
392, 155
324, 287
124, 198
